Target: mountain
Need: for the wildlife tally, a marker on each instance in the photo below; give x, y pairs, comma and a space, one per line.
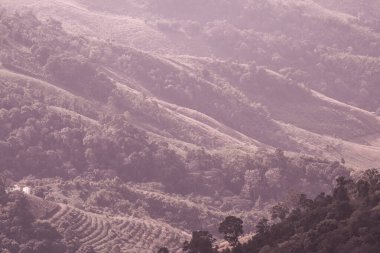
186, 112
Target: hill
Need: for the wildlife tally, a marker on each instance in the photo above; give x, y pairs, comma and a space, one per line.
109, 234
243, 102
345, 221
177, 116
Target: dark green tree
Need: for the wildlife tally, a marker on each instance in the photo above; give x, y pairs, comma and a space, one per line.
3, 192
163, 250
279, 211
232, 228
340, 192
304, 202
362, 187
372, 176
2, 186
262, 226
201, 242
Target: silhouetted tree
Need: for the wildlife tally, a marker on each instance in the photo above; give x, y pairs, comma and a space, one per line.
2, 189
201, 242
362, 187
372, 176
340, 192
232, 228
279, 211
262, 226
163, 250
304, 202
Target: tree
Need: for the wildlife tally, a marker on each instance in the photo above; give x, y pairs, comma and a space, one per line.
2, 186
3, 193
232, 228
262, 226
86, 249
372, 176
340, 192
201, 242
304, 203
163, 250
279, 211
362, 188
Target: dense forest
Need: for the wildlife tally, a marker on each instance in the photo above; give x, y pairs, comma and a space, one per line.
348, 220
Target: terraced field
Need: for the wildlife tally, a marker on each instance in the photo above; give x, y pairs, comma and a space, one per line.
105, 233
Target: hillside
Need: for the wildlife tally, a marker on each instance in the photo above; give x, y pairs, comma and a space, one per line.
107, 234
142, 122
285, 95
21, 231
345, 221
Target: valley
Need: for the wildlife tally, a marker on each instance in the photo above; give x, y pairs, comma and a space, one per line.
138, 122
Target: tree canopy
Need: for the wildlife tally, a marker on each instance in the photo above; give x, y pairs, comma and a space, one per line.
201, 242
231, 228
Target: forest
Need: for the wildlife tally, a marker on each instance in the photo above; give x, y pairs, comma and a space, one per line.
347, 220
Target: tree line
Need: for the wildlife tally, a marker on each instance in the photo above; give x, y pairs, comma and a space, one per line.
347, 220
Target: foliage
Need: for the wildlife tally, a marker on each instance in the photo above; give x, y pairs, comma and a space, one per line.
21, 232
231, 228
201, 242
347, 220
163, 250
279, 211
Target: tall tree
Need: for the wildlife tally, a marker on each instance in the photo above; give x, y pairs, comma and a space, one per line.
262, 226
232, 228
201, 242
3, 193
163, 250
279, 211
